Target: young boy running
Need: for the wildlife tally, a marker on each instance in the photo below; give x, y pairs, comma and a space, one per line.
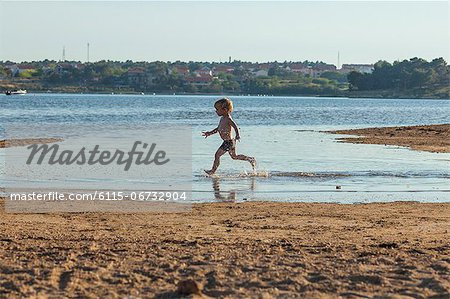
224, 107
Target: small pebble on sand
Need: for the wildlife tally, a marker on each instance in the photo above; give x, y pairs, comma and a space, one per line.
188, 287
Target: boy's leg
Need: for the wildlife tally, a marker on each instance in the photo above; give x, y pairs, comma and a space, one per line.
234, 156
216, 163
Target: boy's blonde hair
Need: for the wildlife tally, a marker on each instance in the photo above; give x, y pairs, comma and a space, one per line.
225, 103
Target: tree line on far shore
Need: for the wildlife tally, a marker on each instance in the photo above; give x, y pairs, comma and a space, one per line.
404, 76
415, 77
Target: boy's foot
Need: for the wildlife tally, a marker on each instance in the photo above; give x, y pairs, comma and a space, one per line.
209, 172
252, 162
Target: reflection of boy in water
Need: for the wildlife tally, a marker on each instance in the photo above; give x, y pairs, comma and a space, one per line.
216, 186
224, 107
232, 194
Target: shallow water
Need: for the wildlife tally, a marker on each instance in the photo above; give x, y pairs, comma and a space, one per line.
296, 161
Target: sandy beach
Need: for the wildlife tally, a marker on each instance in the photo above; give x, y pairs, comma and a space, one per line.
250, 249
430, 138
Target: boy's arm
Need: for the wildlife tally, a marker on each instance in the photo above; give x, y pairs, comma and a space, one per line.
208, 133
214, 131
236, 129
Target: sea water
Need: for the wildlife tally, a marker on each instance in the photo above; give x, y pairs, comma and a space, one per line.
297, 160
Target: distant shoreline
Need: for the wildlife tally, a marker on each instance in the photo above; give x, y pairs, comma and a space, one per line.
351, 96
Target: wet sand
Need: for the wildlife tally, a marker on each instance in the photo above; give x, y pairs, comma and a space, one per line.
251, 249
430, 138
26, 141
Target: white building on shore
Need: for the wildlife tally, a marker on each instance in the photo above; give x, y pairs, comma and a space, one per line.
362, 68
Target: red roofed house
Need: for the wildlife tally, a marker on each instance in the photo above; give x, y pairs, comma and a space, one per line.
203, 71
181, 70
137, 77
223, 69
200, 80
318, 69
17, 69
299, 69
63, 67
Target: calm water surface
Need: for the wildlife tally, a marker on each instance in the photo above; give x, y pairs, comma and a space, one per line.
296, 161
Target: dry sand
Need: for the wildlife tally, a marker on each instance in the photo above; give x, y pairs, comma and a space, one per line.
431, 138
252, 249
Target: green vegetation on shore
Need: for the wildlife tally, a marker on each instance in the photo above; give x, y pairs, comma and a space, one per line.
414, 78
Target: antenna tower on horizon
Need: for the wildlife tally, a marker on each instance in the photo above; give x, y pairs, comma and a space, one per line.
88, 52
339, 61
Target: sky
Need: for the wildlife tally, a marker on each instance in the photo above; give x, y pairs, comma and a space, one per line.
257, 31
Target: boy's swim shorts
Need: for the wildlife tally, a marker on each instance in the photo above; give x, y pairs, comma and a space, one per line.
228, 145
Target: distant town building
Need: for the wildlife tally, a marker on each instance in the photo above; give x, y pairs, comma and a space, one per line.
265, 66
203, 71
180, 70
79, 66
139, 77
313, 71
62, 68
324, 67
299, 69
362, 68
17, 69
321, 68
14, 69
200, 79
222, 69
260, 73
